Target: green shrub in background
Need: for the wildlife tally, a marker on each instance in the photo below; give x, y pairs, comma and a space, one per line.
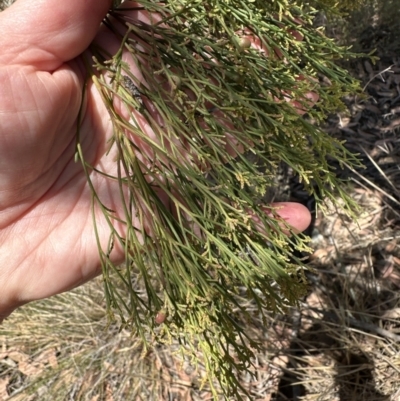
215, 250
379, 32
370, 26
338, 7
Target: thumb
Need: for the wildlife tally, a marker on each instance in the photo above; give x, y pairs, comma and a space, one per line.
47, 33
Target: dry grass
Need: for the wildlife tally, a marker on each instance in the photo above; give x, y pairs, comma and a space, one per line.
348, 344
64, 349
342, 343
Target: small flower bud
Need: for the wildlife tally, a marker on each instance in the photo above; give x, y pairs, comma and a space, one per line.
244, 43
175, 81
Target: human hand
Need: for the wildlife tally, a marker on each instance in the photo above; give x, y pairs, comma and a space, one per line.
46, 225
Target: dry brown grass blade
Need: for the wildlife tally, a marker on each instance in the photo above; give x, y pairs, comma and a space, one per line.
395, 189
371, 184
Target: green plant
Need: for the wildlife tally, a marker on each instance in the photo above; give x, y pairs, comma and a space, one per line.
338, 7
212, 247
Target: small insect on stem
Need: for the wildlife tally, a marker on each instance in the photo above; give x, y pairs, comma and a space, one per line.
133, 90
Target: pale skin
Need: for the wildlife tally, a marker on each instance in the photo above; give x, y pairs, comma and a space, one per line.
47, 242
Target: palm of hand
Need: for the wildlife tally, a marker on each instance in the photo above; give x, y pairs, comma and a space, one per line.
46, 226
45, 202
